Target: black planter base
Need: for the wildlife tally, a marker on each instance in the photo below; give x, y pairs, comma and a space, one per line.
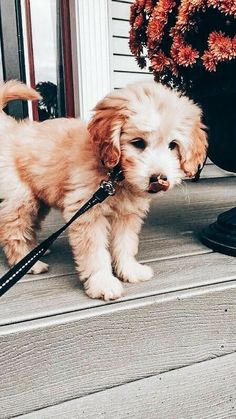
221, 235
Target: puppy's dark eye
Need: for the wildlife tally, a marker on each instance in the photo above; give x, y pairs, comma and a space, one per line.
172, 145
139, 143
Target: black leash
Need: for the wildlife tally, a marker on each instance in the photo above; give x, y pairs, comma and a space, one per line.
106, 189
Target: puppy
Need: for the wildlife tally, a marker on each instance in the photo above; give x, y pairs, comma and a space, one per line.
154, 134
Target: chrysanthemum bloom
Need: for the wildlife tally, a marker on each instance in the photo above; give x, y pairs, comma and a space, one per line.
209, 61
160, 62
134, 43
178, 37
158, 20
220, 46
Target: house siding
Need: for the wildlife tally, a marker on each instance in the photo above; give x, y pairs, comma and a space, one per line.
124, 67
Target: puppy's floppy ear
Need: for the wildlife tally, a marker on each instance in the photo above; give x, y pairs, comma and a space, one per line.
105, 128
194, 155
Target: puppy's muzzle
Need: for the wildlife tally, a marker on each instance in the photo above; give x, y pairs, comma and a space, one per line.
158, 183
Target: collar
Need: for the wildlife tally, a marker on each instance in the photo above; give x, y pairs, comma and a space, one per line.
116, 174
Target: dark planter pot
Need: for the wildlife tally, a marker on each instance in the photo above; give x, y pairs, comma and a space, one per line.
217, 96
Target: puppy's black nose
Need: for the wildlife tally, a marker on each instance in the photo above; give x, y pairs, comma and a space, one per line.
155, 178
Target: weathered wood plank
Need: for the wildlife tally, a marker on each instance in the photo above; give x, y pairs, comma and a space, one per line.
65, 357
181, 205
210, 170
171, 216
168, 233
155, 248
213, 193
56, 295
204, 390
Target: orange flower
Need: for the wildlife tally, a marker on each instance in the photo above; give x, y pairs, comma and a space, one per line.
209, 61
140, 5
220, 46
134, 44
228, 7
159, 62
182, 53
187, 56
133, 10
215, 37
159, 19
148, 6
213, 3
176, 45
138, 21
186, 10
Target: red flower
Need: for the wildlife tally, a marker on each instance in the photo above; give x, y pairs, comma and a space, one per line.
187, 56
134, 43
133, 10
186, 10
182, 53
140, 5
138, 21
148, 6
209, 61
213, 3
220, 46
159, 19
228, 7
159, 62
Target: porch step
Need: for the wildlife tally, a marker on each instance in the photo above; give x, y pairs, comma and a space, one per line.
172, 339
203, 390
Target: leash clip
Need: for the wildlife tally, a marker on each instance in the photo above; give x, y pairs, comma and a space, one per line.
108, 186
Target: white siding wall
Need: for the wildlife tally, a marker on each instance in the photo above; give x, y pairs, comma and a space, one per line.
124, 67
101, 56
91, 40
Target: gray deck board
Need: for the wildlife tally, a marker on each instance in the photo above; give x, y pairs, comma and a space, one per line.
68, 356
56, 344
204, 390
169, 242
53, 296
174, 246
204, 195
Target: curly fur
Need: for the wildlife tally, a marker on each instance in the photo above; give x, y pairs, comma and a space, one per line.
60, 163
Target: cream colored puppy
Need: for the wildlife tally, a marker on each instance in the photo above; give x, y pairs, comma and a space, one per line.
156, 136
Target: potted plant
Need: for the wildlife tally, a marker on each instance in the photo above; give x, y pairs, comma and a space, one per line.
191, 45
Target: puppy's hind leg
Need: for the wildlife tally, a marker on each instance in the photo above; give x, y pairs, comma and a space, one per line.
18, 225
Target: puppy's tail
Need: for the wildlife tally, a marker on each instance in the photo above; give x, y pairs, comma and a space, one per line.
13, 90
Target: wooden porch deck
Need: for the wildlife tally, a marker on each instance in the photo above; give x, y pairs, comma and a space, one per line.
166, 350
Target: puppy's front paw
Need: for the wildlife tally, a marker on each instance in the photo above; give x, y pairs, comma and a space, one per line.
107, 287
38, 268
136, 272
